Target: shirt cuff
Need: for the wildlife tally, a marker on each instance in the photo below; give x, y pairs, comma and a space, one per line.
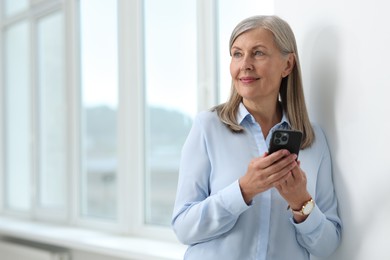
232, 199
311, 223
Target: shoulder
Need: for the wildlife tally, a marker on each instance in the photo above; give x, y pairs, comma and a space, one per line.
319, 133
320, 144
209, 123
317, 155
206, 118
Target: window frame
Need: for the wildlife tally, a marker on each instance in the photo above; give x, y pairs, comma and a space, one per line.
5, 116
37, 211
131, 104
32, 15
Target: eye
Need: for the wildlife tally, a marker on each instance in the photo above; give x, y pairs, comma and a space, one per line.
259, 53
237, 54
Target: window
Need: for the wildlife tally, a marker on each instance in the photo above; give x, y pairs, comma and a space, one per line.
17, 130
12, 7
97, 100
171, 99
35, 112
51, 113
99, 88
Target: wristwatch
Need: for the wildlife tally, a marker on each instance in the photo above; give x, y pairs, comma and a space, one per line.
306, 209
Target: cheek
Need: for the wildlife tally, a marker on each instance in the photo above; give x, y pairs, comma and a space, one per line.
233, 69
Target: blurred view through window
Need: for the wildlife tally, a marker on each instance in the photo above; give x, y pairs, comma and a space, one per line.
99, 88
17, 132
171, 98
63, 154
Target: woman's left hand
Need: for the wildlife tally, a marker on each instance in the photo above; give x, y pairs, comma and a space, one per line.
294, 190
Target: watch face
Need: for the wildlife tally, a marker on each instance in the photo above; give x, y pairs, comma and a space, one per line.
308, 208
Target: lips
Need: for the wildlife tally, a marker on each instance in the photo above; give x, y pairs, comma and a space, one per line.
248, 80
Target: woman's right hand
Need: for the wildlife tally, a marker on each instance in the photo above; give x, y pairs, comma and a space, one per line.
266, 172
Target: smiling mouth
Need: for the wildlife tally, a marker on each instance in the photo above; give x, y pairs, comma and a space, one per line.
248, 79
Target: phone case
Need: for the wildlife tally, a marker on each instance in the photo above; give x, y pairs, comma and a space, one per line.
285, 139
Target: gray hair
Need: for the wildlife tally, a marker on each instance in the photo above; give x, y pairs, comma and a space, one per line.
291, 90
283, 35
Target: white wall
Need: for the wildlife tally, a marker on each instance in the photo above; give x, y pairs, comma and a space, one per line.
345, 57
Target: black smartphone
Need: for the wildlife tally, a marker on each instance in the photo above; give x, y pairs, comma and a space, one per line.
285, 139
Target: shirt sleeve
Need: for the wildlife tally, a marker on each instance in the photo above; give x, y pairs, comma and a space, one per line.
320, 233
199, 216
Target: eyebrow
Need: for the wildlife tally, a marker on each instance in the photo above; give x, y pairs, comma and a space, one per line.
253, 48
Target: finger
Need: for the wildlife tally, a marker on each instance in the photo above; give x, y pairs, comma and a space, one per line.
290, 180
267, 160
260, 162
276, 179
276, 156
282, 182
285, 177
286, 164
298, 174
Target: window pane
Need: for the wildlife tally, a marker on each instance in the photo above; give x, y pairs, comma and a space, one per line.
228, 19
12, 7
52, 112
18, 117
99, 81
170, 66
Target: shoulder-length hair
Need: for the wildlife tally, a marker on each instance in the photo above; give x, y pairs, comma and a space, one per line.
291, 94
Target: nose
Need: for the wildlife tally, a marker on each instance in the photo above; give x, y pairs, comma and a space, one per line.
246, 64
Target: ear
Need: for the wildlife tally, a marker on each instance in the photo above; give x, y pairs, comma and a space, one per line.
289, 65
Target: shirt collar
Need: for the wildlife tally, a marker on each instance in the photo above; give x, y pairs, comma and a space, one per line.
243, 114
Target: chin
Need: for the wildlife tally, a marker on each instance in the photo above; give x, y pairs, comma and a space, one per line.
248, 95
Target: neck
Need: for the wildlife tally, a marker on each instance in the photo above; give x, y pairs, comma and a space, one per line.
266, 115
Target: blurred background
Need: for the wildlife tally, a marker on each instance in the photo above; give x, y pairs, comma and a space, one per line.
98, 96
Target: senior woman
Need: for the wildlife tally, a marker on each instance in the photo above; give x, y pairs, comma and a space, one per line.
236, 201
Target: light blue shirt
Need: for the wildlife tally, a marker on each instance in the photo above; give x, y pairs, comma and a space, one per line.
211, 216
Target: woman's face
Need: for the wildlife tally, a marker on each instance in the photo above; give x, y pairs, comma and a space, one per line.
257, 66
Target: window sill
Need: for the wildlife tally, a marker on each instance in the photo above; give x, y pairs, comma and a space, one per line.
126, 247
